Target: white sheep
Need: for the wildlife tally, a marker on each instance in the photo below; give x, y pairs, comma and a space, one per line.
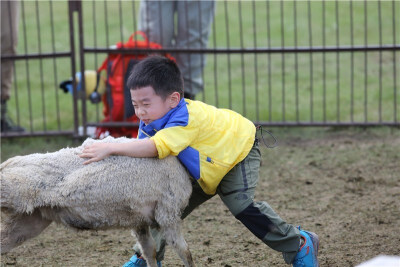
117, 192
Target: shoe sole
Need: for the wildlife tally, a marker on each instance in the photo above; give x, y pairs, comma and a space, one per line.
315, 240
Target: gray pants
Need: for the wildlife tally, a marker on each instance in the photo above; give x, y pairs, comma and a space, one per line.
9, 40
237, 190
194, 18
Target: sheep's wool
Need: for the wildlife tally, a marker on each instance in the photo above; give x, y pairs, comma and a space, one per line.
69, 192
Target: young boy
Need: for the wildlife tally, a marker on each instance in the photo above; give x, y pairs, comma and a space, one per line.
219, 149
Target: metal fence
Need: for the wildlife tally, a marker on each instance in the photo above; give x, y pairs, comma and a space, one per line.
279, 63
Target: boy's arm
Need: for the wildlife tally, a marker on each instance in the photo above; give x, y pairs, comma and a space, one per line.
140, 148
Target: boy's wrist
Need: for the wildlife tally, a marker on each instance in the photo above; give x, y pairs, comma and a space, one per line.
111, 149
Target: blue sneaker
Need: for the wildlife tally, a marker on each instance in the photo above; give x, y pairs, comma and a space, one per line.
136, 261
308, 252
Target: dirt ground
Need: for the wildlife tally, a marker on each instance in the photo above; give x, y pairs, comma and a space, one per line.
343, 185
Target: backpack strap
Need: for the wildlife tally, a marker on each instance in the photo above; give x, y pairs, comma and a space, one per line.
131, 39
103, 65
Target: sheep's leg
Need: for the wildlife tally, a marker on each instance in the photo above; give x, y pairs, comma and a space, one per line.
174, 238
147, 244
17, 228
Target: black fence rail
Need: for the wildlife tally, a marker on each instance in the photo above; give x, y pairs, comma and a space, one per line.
281, 63
42, 54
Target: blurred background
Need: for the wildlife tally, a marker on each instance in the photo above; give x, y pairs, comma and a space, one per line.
279, 63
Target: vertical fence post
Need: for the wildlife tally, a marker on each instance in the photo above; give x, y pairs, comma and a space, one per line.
76, 6
394, 65
72, 7
82, 66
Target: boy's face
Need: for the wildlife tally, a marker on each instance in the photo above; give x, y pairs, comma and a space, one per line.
149, 106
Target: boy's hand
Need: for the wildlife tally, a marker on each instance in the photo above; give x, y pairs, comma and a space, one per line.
143, 148
95, 152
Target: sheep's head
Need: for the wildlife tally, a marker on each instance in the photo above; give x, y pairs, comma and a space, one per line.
6, 228
16, 228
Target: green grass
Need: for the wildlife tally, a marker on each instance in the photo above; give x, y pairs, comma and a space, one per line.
23, 146
259, 90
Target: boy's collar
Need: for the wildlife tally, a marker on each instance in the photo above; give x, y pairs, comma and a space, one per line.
179, 115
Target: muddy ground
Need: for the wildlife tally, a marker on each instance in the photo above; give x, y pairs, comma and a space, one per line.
343, 185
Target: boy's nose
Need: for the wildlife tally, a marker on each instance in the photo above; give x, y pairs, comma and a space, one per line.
140, 111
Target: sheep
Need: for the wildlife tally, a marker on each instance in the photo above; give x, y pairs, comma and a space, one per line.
117, 192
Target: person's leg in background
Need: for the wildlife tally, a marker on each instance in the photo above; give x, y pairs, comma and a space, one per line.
156, 20
194, 24
194, 18
9, 39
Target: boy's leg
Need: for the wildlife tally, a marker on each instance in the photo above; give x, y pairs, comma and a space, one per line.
197, 198
237, 190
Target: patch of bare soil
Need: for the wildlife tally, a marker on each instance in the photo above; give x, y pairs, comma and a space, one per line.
343, 185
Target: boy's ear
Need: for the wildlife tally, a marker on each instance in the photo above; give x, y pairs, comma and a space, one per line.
174, 99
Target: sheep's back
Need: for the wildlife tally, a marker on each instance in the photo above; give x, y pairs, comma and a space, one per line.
60, 180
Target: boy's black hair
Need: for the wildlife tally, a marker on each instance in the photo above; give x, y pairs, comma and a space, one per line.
159, 72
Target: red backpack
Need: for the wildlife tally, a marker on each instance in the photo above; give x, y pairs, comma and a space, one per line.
116, 100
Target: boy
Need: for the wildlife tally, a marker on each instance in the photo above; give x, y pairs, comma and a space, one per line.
219, 149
